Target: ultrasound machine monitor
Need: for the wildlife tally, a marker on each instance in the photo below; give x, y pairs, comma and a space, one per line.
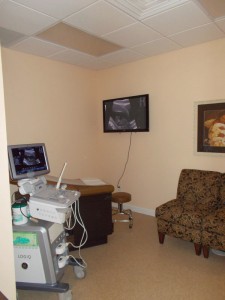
28, 161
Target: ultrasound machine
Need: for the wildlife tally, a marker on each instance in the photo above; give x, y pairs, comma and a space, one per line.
39, 222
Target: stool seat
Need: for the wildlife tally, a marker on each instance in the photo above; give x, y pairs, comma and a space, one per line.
120, 198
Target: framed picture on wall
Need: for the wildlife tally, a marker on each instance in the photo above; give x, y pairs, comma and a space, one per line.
210, 117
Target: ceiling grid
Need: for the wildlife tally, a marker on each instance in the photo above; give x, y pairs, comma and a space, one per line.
99, 34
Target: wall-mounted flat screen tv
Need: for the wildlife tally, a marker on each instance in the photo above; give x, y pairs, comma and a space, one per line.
127, 114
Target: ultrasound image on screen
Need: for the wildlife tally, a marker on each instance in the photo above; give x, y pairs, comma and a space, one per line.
120, 117
126, 114
30, 159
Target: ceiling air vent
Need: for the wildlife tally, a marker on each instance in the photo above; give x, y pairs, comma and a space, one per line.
141, 9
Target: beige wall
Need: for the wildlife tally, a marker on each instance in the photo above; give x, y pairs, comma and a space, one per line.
69, 101
53, 103
174, 82
7, 282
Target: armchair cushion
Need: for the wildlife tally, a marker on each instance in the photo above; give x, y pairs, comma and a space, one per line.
213, 230
179, 231
175, 212
215, 222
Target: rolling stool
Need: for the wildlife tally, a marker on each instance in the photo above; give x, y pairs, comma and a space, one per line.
120, 198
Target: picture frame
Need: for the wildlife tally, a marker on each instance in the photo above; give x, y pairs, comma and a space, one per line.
210, 127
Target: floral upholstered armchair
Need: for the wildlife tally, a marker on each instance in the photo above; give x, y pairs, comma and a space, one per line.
213, 225
198, 195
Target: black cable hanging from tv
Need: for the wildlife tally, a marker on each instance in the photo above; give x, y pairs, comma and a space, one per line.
125, 166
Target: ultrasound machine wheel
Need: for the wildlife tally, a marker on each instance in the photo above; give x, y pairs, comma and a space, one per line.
66, 296
79, 272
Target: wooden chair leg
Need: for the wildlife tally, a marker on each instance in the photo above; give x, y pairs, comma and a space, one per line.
205, 251
161, 237
198, 249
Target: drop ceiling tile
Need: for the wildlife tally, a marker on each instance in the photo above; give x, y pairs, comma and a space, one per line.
95, 64
56, 8
157, 47
91, 63
37, 47
73, 57
101, 64
99, 18
9, 37
78, 58
132, 35
122, 56
178, 19
221, 24
198, 35
21, 19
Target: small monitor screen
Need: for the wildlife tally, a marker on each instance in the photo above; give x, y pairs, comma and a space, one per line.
25, 239
27, 161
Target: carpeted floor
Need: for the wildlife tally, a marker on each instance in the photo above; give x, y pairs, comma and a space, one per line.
134, 266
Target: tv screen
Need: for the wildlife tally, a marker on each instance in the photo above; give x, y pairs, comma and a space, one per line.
27, 161
127, 114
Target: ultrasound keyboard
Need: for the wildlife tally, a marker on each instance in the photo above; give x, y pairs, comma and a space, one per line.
60, 198
52, 205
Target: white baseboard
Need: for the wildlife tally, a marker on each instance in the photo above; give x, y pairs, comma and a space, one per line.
141, 210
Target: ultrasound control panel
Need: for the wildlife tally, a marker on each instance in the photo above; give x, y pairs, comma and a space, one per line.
53, 205
60, 198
